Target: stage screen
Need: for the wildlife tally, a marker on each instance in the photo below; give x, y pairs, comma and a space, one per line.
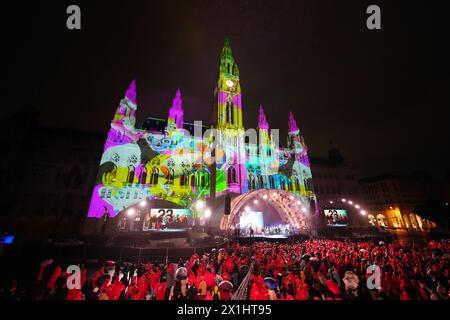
252, 219
336, 217
159, 219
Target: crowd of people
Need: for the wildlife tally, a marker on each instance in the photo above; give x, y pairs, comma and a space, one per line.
308, 270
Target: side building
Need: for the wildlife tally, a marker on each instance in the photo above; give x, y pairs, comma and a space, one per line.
392, 201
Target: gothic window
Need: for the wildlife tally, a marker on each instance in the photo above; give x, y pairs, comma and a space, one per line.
252, 182
184, 179
170, 176
131, 175
282, 184
154, 177
231, 175
272, 182
113, 175
203, 181
297, 184
143, 177
261, 181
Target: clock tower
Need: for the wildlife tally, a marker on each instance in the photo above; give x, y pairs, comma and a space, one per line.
228, 92
228, 120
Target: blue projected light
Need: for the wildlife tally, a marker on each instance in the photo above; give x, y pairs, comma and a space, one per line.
6, 239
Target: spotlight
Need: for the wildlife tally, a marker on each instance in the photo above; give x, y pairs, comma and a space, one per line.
143, 203
299, 202
304, 209
356, 206
331, 202
247, 208
291, 197
199, 205
207, 213
265, 196
351, 202
255, 201
130, 212
343, 200
363, 212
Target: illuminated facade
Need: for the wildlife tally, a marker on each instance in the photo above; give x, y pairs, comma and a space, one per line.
392, 201
175, 166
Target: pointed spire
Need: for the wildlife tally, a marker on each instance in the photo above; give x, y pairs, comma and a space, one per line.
292, 123
262, 122
227, 54
226, 46
131, 92
176, 111
177, 102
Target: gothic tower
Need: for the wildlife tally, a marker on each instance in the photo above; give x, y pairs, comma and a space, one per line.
228, 120
229, 103
295, 139
175, 120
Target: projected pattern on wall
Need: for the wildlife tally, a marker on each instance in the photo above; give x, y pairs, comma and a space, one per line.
172, 165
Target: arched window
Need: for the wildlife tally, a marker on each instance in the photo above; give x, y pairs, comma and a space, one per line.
272, 182
372, 220
202, 181
131, 175
282, 184
154, 177
252, 182
113, 175
309, 185
261, 181
231, 175
184, 179
170, 176
381, 219
143, 177
297, 185
290, 185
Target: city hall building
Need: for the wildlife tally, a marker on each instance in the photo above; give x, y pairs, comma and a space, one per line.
167, 173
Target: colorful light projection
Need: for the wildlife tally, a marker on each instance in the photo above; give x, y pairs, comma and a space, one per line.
175, 166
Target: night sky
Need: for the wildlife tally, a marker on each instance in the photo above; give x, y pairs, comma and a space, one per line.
381, 96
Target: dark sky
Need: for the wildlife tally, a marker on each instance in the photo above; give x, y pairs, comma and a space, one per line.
381, 96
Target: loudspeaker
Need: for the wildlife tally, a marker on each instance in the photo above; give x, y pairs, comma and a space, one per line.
227, 204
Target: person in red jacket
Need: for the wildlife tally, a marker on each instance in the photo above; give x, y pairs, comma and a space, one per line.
53, 278
160, 290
